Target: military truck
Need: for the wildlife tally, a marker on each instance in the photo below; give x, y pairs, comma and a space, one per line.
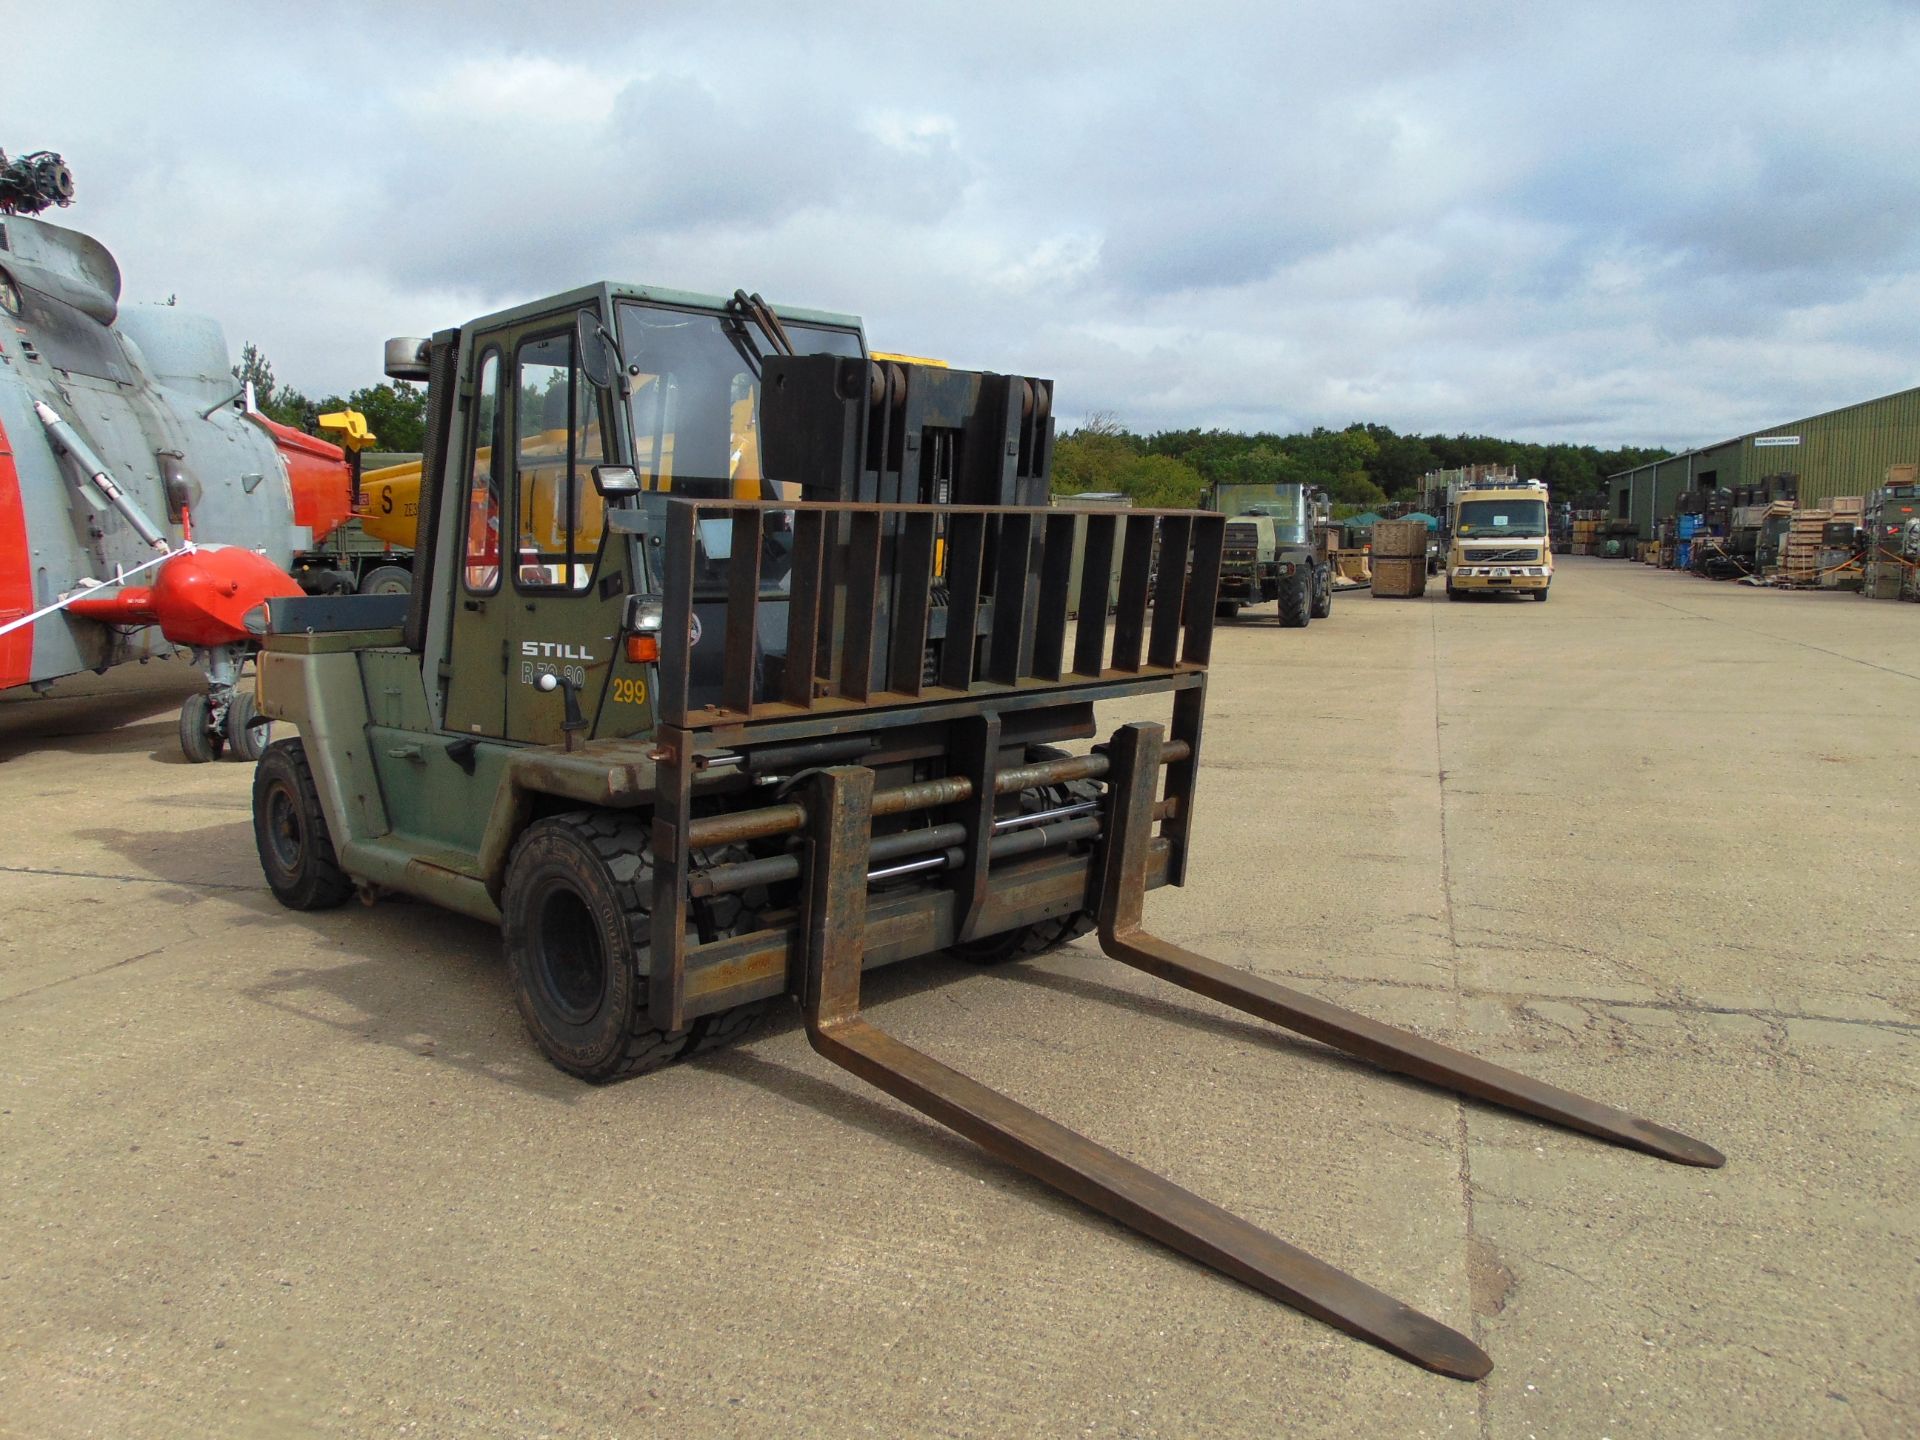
695, 745
1276, 549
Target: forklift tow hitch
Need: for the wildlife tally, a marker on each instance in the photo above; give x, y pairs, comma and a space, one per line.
837, 839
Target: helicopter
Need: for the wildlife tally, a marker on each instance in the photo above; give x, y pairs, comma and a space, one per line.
146, 505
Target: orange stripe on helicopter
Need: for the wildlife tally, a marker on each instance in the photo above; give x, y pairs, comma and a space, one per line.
16, 573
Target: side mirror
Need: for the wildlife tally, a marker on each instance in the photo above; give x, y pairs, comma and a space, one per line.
599, 355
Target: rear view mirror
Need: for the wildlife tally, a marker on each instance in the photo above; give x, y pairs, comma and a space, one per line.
599, 356
612, 480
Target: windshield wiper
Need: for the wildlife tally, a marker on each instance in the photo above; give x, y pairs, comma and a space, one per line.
744, 307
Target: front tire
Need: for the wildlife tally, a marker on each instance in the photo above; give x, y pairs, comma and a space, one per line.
245, 740
1540, 595
1030, 941
576, 923
1226, 610
574, 920
199, 741
1296, 599
290, 832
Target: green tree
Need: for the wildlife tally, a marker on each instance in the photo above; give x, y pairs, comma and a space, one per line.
1092, 457
278, 403
1160, 482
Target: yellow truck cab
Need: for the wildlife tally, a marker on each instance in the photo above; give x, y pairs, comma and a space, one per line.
1498, 540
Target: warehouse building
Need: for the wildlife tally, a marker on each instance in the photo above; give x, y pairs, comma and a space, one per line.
1842, 452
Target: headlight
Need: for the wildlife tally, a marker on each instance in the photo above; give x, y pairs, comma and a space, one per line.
644, 614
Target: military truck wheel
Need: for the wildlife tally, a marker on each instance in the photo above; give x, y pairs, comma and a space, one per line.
290, 832
1296, 599
199, 741
387, 580
244, 741
575, 923
1037, 939
1322, 594
1225, 610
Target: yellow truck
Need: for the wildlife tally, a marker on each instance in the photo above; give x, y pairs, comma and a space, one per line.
1497, 540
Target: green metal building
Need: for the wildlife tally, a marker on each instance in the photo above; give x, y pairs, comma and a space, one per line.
1842, 452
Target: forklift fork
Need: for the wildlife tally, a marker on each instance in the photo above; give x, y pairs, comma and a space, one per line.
837, 840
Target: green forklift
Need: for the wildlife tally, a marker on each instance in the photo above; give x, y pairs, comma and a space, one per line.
738, 662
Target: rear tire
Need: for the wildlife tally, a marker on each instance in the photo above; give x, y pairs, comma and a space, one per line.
1322, 594
1225, 610
1031, 941
199, 741
387, 580
290, 832
1296, 599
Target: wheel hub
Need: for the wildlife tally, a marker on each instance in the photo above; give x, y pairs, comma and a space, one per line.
571, 962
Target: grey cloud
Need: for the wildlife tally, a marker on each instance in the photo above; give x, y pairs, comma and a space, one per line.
1633, 222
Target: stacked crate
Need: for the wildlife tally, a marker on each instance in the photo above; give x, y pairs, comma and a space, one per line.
1800, 555
1400, 559
1806, 538
1587, 525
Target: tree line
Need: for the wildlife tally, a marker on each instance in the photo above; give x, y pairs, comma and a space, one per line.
396, 411
1359, 467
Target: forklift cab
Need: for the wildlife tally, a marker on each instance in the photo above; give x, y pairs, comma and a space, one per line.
565, 410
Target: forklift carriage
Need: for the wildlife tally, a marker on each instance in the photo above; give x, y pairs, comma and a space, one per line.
833, 749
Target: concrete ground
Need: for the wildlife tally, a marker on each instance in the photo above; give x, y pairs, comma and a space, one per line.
273, 1174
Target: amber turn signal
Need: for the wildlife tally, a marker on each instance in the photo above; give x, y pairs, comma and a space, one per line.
643, 649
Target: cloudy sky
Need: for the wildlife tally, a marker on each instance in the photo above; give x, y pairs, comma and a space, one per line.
1616, 223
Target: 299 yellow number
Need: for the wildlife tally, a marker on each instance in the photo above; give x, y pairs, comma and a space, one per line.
629, 692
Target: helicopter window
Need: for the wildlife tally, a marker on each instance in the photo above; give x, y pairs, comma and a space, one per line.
559, 514
483, 482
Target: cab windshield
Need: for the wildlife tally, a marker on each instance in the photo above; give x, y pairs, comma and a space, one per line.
696, 398
1501, 519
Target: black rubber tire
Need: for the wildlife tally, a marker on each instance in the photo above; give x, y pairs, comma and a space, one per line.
575, 923
1296, 599
1226, 610
1540, 595
728, 1027
1322, 593
387, 580
199, 741
290, 832
1030, 941
1454, 594
1027, 943
245, 741
585, 879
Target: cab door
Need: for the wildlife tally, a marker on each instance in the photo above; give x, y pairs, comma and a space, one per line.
566, 606
528, 597
477, 659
